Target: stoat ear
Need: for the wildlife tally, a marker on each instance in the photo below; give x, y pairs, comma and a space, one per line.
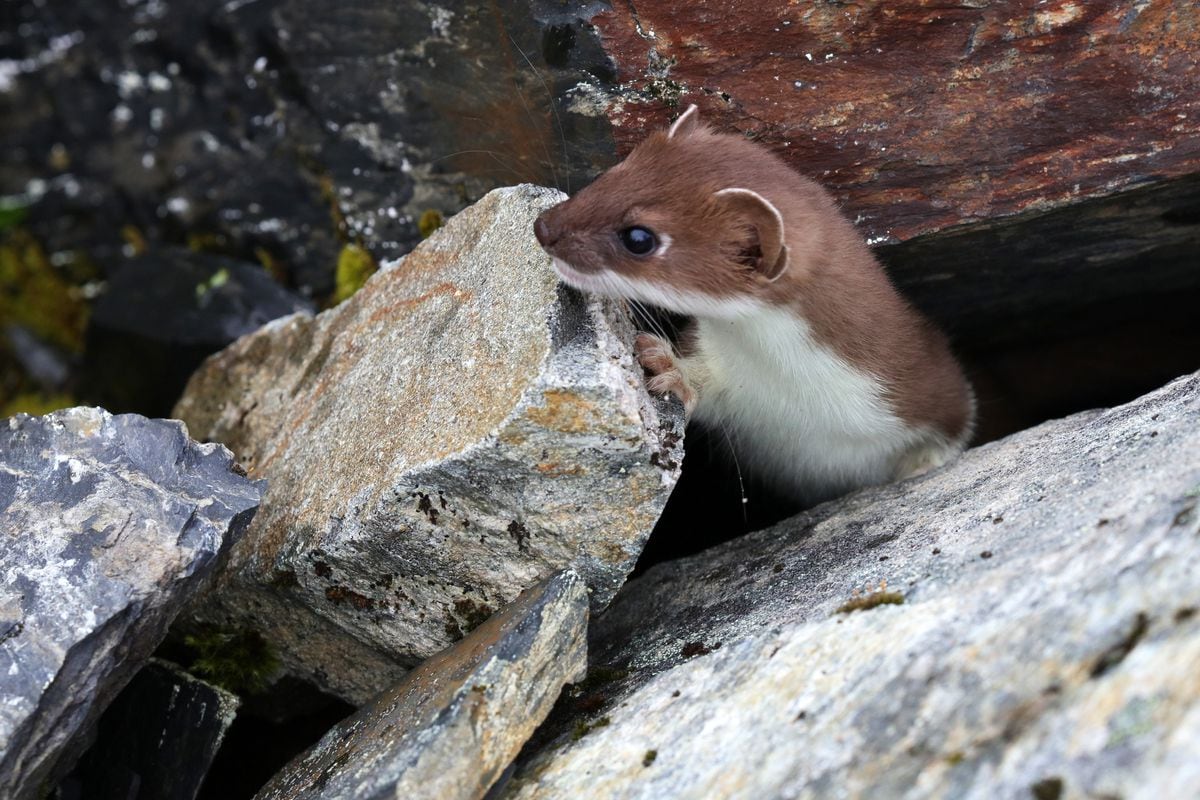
686, 125
765, 251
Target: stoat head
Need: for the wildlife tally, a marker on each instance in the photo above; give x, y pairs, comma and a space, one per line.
671, 225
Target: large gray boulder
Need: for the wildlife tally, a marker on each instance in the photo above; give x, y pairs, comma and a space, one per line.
108, 525
450, 728
460, 429
1038, 636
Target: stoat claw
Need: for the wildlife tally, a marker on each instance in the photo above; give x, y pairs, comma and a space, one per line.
664, 376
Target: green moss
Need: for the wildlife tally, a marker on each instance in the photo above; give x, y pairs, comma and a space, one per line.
214, 282
872, 600
205, 242
238, 660
584, 728
35, 404
11, 215
35, 295
431, 219
134, 238
354, 266
274, 267
1048, 789
599, 676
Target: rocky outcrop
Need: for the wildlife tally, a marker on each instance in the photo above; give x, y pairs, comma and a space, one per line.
457, 431
457, 721
1024, 622
109, 525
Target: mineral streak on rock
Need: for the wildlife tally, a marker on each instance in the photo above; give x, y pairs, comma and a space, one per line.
1070, 657
107, 526
458, 430
454, 723
921, 116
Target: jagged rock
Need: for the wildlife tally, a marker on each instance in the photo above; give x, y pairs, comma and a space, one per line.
109, 524
1039, 635
460, 429
457, 721
157, 739
924, 116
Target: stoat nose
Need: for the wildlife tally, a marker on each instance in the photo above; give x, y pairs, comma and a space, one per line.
546, 235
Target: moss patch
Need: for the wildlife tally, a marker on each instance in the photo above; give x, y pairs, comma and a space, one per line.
238, 660
584, 728
35, 404
430, 220
36, 296
354, 266
871, 600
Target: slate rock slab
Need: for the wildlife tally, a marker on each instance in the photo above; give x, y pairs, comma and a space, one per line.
157, 739
460, 429
108, 524
451, 727
1038, 636
921, 116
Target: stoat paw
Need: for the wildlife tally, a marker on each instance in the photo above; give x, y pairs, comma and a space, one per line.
925, 459
664, 375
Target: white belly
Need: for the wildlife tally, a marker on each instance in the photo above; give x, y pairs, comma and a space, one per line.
796, 413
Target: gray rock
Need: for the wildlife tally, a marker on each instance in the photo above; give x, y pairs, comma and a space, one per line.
109, 524
157, 739
457, 721
1047, 642
460, 429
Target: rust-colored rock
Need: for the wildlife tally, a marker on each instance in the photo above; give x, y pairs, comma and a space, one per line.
920, 116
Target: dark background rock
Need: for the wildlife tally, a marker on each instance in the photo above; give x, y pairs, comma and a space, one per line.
156, 740
163, 313
274, 132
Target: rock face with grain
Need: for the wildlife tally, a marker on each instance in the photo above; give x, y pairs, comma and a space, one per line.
108, 525
921, 116
455, 723
457, 431
1024, 620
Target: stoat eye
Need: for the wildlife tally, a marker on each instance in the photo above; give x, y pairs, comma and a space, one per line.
638, 240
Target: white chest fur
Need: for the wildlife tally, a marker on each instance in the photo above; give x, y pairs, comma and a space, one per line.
795, 411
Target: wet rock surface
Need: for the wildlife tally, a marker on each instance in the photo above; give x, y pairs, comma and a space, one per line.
157, 739
109, 525
921, 116
1024, 617
455, 722
460, 429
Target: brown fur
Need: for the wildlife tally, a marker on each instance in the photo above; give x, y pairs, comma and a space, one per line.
669, 184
